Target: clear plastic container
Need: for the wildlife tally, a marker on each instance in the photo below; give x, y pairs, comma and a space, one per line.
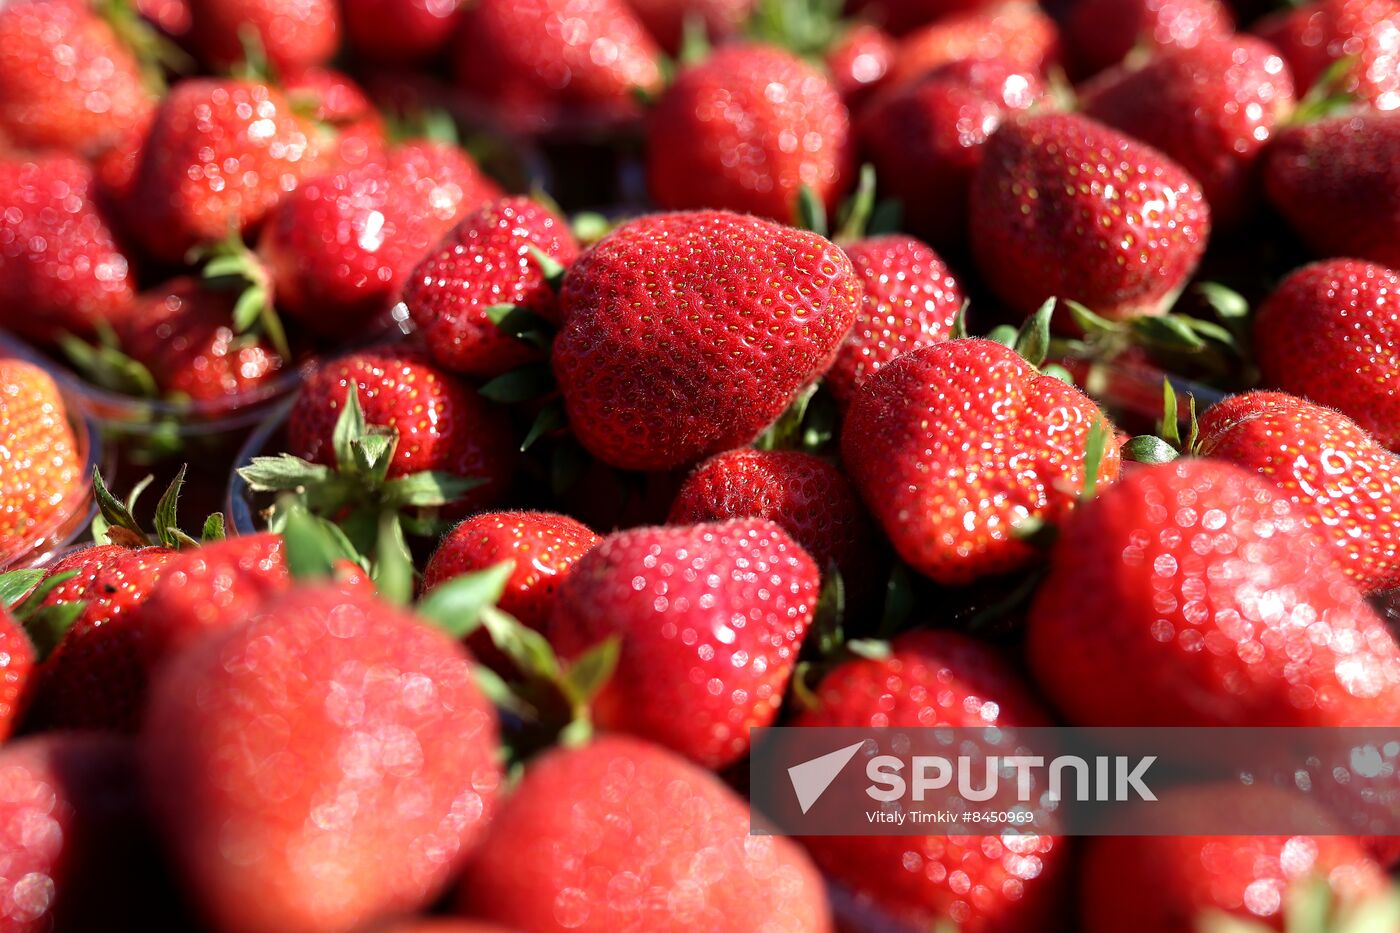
241, 505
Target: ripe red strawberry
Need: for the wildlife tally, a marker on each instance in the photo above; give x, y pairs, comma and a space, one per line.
1212, 107
1167, 883
806, 496
687, 334
540, 64
60, 266
1337, 183
981, 883
1063, 206
1329, 333
221, 154
901, 16
1347, 485
78, 855
1017, 34
182, 333
325, 764
688, 677
859, 61
954, 445
293, 34
1194, 594
16, 673
441, 925
622, 835
743, 131
1099, 33
41, 470
339, 248
341, 107
544, 546
484, 262
666, 19
1315, 35
66, 80
442, 424
399, 32
925, 139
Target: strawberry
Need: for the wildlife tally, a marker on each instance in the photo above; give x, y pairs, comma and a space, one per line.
913, 426
440, 925
622, 835
1337, 184
744, 131
183, 335
324, 764
1063, 206
40, 466
545, 548
688, 677
339, 248
1314, 36
539, 64
293, 34
901, 16
78, 855
399, 32
939, 678
17, 658
1347, 486
1100, 33
1193, 593
485, 262
687, 334
925, 138
341, 107
1167, 883
221, 154
806, 496
61, 269
1017, 34
666, 19
66, 80
1212, 107
859, 62
1330, 333
441, 424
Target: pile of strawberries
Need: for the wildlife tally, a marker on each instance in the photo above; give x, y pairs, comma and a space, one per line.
640, 372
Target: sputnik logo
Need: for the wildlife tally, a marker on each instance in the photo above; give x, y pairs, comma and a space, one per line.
811, 778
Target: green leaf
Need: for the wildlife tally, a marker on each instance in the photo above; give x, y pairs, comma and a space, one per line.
1056, 371
1167, 332
428, 489
108, 367
1094, 449
249, 308
373, 453
1170, 425
856, 212
810, 211
590, 672
282, 472
213, 528
349, 428
521, 324
16, 583
1003, 334
1146, 448
1088, 321
695, 39
99, 529
531, 381
309, 550
526, 648
499, 693
899, 599
550, 419
1309, 907
888, 217
1228, 304
1033, 339
226, 264
959, 331
552, 269
41, 592
1193, 435
783, 433
871, 649
393, 566
589, 227
456, 605
1210, 330
167, 520
113, 510
829, 617
47, 625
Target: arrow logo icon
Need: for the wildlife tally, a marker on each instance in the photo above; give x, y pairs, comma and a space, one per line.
811, 778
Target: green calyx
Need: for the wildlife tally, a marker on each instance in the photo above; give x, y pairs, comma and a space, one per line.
805, 27
115, 523
1170, 442
103, 363
231, 264
1219, 346
859, 216
23, 592
1313, 907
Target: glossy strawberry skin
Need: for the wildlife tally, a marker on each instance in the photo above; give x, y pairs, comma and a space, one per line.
340, 247
66, 81
1329, 333
1347, 486
486, 260
327, 763
402, 32
294, 34
605, 837
1315, 35
183, 334
1099, 33
1213, 108
686, 334
16, 672
686, 678
1065, 207
1017, 34
743, 131
442, 424
925, 138
1194, 594
953, 445
530, 63
41, 471
61, 268
220, 155
1337, 183
939, 678
859, 61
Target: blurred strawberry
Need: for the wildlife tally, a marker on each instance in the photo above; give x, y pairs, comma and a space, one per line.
292, 34
1314, 36
343, 110
859, 62
17, 658
41, 468
1101, 33
400, 32
666, 19
1017, 34
901, 16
